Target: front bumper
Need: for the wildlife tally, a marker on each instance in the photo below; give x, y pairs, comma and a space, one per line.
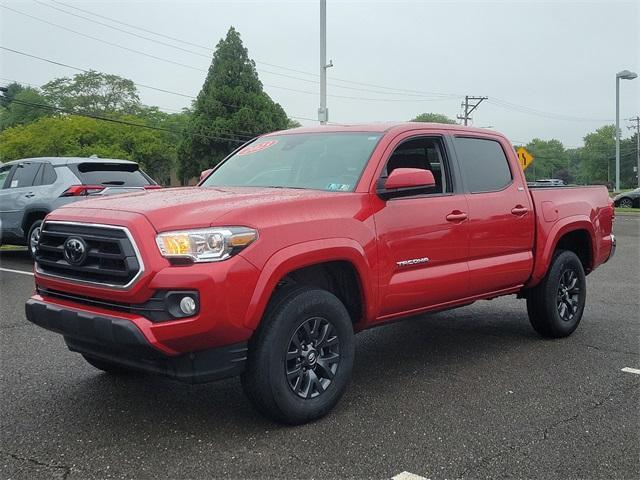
120, 341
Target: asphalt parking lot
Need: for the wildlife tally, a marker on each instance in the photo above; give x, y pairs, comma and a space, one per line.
471, 393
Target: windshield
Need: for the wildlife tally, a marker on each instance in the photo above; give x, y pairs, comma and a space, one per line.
318, 161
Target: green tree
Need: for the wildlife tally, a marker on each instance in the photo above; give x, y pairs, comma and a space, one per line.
550, 160
291, 123
93, 92
72, 135
597, 157
433, 118
230, 108
19, 106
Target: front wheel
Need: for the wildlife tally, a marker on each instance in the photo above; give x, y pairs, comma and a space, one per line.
301, 357
555, 306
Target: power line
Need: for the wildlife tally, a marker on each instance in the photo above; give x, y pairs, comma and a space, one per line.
155, 57
541, 113
135, 83
209, 49
106, 42
397, 91
123, 122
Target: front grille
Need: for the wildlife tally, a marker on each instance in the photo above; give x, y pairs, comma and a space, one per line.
111, 257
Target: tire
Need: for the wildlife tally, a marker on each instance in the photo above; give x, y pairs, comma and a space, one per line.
33, 236
275, 379
555, 306
625, 203
108, 367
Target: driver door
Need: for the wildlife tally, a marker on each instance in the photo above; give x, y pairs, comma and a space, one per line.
423, 238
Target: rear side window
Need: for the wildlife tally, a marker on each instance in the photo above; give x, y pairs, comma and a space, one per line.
116, 174
47, 175
24, 175
483, 163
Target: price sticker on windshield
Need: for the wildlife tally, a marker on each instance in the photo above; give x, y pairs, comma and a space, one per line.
257, 147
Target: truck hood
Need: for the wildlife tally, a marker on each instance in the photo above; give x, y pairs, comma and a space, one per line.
194, 207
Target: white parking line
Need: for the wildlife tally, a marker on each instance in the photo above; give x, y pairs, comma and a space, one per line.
11, 270
631, 370
408, 476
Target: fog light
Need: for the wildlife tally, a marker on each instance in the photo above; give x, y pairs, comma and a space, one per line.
188, 305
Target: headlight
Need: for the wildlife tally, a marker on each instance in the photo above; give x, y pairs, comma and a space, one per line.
205, 244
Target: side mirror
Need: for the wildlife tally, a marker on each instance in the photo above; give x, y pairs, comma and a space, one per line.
205, 174
406, 178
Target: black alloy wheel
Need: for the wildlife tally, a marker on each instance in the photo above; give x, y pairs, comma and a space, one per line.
313, 357
568, 295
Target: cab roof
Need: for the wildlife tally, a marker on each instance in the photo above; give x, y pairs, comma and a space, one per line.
386, 127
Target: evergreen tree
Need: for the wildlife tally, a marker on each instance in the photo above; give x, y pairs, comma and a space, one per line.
231, 105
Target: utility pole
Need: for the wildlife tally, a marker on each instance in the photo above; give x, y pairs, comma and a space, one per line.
470, 107
323, 111
637, 129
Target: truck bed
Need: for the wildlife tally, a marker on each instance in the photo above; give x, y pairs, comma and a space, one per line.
561, 208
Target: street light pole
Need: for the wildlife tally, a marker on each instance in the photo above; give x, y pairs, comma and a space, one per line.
625, 75
618, 133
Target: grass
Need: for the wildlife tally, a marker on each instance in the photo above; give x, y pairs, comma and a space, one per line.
12, 247
632, 211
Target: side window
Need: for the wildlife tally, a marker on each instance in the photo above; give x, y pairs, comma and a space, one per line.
47, 175
483, 163
426, 153
5, 170
24, 175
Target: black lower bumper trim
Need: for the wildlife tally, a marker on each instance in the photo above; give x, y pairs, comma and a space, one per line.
119, 341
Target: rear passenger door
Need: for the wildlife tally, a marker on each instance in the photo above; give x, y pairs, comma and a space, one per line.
422, 237
501, 219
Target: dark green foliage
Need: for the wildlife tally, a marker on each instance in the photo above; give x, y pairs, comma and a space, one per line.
15, 108
231, 108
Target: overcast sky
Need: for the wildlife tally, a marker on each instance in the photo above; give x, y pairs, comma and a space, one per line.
547, 68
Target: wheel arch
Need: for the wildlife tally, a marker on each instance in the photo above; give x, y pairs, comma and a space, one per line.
575, 234
338, 265
31, 215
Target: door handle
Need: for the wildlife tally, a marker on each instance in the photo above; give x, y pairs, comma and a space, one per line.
29, 195
456, 216
519, 210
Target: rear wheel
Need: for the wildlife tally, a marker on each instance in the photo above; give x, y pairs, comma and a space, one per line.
106, 366
33, 237
555, 306
626, 203
301, 357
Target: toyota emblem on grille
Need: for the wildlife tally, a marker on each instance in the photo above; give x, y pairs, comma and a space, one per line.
75, 250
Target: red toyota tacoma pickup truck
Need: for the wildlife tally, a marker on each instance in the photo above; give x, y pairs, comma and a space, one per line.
301, 238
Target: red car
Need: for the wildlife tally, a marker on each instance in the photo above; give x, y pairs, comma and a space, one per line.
302, 238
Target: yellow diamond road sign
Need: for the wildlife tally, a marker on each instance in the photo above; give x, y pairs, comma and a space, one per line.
524, 157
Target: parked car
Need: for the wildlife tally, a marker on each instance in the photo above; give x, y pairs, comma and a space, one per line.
548, 182
628, 199
303, 237
32, 187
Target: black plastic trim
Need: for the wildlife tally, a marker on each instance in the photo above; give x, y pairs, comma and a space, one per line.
159, 308
119, 341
